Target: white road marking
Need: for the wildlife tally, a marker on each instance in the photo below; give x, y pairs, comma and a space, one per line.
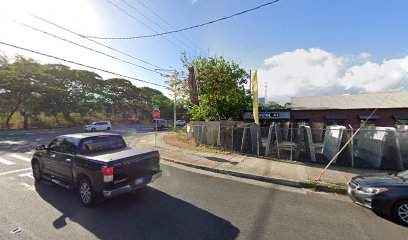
15, 171
20, 157
7, 162
29, 174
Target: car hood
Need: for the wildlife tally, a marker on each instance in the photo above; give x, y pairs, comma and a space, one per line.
380, 180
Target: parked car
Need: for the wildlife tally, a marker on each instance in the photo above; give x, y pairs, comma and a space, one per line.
181, 123
386, 194
98, 126
99, 165
161, 124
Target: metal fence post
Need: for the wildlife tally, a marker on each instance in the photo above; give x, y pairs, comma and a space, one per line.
258, 129
291, 141
232, 138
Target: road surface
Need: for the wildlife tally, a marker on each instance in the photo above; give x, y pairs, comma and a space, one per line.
183, 204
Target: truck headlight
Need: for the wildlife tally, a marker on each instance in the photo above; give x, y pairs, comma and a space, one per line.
372, 190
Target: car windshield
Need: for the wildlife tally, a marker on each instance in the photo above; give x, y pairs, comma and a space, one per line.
101, 143
403, 174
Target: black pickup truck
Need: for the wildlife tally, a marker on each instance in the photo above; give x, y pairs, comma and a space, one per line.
99, 165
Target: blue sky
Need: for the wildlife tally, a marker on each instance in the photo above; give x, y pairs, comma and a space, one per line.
354, 38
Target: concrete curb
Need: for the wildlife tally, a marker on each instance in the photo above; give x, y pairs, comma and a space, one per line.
279, 181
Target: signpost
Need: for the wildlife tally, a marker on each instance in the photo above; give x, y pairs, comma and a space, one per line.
156, 116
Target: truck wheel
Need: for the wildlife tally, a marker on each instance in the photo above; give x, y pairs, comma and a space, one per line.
93, 130
86, 192
36, 171
108, 128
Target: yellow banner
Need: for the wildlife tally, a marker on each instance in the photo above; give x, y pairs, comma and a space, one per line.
255, 97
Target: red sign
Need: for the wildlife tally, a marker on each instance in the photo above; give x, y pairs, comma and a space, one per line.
156, 114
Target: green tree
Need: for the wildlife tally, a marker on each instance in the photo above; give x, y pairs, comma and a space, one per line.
19, 87
221, 90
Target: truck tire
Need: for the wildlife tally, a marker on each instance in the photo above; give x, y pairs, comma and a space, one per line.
108, 128
93, 130
36, 171
85, 192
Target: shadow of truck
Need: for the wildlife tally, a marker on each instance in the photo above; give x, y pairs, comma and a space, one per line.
146, 214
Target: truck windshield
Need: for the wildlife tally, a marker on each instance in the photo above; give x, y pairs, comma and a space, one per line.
101, 143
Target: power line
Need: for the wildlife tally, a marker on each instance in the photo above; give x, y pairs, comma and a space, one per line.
186, 28
101, 44
82, 46
80, 64
155, 23
168, 24
133, 17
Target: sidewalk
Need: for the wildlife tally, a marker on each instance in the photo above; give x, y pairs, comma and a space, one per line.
296, 174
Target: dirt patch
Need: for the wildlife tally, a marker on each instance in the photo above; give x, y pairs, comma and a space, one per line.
180, 140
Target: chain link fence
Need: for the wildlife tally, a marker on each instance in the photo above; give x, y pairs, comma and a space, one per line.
383, 148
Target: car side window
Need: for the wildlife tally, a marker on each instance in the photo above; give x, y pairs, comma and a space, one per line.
69, 145
55, 144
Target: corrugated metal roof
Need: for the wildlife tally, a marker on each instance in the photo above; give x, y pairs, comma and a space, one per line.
359, 101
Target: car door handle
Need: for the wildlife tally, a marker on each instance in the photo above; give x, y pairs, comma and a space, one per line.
68, 160
53, 155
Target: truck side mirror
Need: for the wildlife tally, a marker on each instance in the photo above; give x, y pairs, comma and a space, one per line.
40, 147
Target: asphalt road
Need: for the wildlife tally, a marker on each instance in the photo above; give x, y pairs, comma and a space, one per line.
182, 204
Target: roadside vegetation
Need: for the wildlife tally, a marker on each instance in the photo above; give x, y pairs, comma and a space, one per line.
55, 95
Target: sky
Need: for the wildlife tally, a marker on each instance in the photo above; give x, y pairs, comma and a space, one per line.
298, 47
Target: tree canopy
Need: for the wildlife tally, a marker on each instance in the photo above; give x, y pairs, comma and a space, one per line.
71, 95
220, 88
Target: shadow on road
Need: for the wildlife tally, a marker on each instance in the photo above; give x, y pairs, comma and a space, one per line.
145, 214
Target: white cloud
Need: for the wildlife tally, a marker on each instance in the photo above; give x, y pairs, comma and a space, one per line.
193, 2
318, 72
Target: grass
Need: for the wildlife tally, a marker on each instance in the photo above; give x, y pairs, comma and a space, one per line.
179, 139
340, 188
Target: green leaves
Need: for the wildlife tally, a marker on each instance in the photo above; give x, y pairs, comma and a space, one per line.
78, 95
221, 89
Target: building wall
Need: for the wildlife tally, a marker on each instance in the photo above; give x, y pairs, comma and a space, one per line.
352, 115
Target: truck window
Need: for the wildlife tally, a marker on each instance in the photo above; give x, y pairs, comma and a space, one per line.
69, 145
55, 144
101, 143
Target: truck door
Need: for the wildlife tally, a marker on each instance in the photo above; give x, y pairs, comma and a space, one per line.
65, 158
48, 157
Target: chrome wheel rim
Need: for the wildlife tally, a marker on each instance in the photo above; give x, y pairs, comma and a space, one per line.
85, 191
403, 212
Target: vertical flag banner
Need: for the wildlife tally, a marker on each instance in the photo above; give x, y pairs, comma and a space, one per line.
255, 97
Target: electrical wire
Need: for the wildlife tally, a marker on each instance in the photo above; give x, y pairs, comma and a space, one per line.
168, 24
155, 23
144, 24
80, 64
96, 42
186, 28
82, 46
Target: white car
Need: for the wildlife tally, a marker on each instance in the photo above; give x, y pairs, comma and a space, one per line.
98, 126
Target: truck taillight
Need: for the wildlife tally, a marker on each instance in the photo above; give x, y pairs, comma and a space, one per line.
107, 173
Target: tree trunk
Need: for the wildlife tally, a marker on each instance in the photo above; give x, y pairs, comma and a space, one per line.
56, 118
68, 117
9, 118
25, 119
